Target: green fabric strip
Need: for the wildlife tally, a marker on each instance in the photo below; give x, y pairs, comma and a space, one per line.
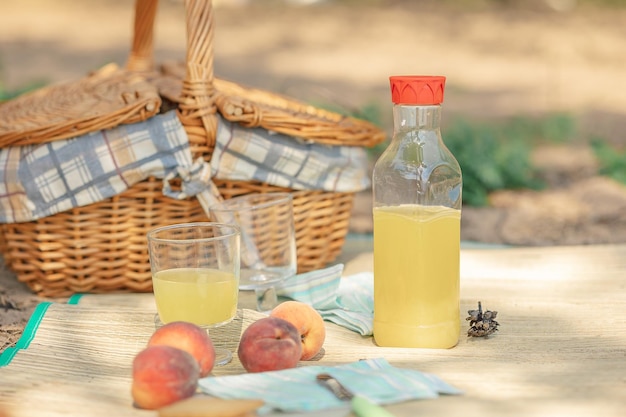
33, 324
28, 335
75, 299
7, 355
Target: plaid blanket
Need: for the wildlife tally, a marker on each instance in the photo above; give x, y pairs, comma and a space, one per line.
41, 180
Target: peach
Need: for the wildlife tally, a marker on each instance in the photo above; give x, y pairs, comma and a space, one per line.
269, 344
309, 323
190, 338
163, 375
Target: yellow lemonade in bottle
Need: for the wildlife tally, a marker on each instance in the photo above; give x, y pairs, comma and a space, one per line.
202, 296
416, 276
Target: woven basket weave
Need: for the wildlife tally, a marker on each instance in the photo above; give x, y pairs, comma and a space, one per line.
102, 247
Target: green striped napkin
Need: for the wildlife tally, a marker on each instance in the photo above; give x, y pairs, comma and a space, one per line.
347, 301
296, 389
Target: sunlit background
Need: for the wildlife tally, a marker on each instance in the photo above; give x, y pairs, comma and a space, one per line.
521, 73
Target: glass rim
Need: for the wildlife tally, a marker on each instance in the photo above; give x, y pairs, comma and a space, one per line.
235, 202
152, 234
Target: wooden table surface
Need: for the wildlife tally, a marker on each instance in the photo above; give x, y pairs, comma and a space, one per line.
560, 351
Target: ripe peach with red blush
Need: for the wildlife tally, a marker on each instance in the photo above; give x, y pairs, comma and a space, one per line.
163, 375
269, 344
190, 338
309, 323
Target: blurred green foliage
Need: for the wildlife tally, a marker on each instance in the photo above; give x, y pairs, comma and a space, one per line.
492, 157
497, 155
553, 128
611, 160
9, 94
6, 94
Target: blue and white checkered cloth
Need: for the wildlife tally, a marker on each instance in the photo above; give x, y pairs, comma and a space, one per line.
41, 180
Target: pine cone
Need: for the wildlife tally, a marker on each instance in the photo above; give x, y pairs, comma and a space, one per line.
482, 323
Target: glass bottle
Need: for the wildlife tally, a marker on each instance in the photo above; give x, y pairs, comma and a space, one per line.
417, 187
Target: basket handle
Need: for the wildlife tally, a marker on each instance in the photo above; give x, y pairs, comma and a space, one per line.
197, 104
141, 58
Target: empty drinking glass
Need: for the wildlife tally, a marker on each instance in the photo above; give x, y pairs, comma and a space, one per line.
268, 243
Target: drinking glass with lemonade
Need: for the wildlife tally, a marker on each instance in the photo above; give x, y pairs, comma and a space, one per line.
195, 274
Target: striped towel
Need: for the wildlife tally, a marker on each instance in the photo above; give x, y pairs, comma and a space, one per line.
347, 301
296, 389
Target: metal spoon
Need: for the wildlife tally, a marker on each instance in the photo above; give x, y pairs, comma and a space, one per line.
361, 406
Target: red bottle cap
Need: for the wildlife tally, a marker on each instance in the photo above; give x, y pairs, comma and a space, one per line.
417, 89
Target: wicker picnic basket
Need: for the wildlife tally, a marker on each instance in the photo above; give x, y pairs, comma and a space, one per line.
102, 247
